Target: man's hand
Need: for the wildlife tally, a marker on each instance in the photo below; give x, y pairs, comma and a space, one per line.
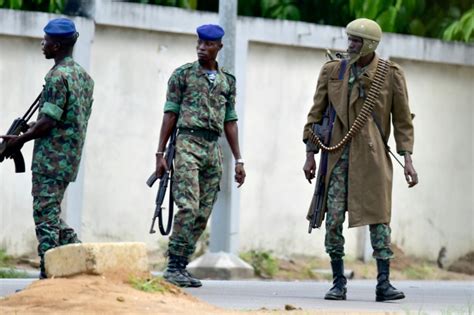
410, 174
13, 144
239, 174
309, 167
161, 166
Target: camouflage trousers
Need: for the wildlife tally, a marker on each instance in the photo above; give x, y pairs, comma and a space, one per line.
196, 181
335, 216
51, 230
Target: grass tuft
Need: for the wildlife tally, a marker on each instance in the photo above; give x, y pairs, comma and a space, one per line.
148, 285
263, 262
10, 273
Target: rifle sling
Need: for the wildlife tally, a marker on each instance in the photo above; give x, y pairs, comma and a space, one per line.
387, 147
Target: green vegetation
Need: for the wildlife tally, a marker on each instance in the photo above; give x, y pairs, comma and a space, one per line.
5, 260
148, 285
263, 262
6, 267
419, 272
451, 20
447, 20
11, 273
53, 6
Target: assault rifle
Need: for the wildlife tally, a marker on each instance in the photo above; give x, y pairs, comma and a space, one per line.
323, 130
18, 126
160, 196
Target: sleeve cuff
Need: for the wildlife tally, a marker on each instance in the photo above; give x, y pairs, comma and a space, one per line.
311, 147
403, 152
52, 110
230, 115
172, 107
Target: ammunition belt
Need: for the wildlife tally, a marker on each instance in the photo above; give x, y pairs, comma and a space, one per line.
365, 112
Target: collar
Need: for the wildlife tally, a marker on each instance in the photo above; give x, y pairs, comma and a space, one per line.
372, 67
201, 71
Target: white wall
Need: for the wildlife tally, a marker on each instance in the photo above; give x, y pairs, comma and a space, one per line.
439, 211
131, 69
135, 49
22, 69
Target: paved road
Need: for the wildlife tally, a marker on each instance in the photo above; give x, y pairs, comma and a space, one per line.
423, 297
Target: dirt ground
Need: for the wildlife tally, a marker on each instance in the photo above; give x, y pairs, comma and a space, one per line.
99, 295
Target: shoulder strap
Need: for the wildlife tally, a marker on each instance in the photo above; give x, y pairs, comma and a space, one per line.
342, 70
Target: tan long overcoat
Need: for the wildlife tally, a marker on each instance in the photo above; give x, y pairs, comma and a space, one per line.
370, 167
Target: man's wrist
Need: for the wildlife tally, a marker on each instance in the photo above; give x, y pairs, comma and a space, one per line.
239, 161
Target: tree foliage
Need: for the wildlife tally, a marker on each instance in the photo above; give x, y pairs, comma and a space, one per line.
445, 19
53, 6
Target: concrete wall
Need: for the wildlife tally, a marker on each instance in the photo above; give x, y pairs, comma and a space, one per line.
132, 52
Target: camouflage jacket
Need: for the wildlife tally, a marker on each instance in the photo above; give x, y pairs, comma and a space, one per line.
66, 98
198, 102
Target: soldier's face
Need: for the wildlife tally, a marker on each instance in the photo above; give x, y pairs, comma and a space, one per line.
49, 47
207, 50
354, 44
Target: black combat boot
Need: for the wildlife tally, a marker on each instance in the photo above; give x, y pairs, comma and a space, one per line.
194, 282
384, 290
339, 290
173, 273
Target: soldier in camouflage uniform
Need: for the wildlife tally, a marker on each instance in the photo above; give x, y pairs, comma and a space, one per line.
359, 179
59, 133
200, 103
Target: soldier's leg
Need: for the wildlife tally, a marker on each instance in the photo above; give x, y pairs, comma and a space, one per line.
67, 235
380, 239
47, 195
209, 186
186, 195
209, 179
336, 208
334, 240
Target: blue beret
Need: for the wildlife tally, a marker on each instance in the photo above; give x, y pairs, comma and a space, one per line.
60, 28
210, 32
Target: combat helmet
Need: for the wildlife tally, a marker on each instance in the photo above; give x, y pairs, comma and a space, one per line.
369, 31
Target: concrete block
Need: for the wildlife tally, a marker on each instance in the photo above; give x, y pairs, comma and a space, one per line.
220, 265
114, 259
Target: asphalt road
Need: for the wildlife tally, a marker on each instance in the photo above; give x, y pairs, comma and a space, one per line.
423, 297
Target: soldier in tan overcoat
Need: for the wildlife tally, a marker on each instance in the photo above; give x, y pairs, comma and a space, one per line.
359, 176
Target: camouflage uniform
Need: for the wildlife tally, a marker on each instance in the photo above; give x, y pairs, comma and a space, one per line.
337, 206
66, 98
205, 106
